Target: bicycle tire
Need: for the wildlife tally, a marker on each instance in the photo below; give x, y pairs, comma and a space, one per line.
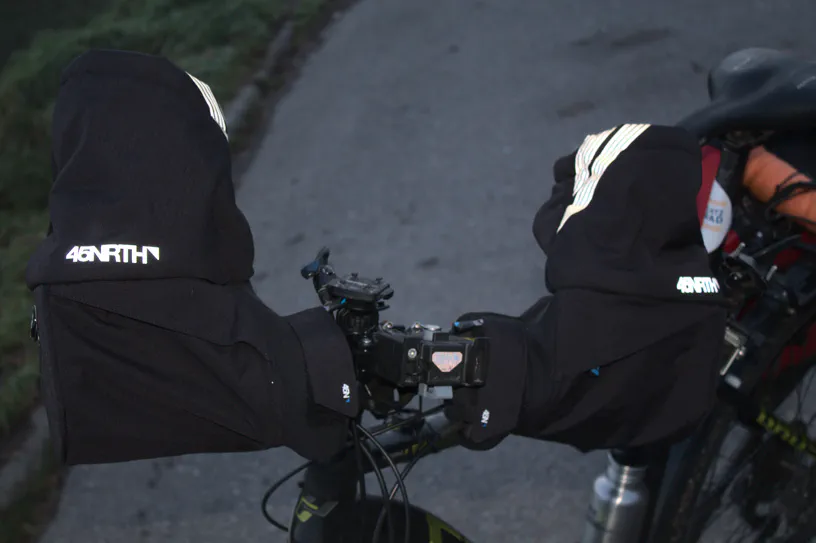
675, 523
426, 527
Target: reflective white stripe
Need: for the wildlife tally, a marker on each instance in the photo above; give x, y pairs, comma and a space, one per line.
212, 103
586, 181
583, 158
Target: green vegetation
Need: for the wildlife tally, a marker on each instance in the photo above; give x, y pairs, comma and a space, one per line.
25, 518
19, 232
20, 21
219, 41
216, 40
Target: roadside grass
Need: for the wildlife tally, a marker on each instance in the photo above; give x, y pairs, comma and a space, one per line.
19, 234
218, 41
25, 519
20, 21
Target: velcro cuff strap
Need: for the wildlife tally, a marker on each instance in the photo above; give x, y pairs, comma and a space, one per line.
495, 408
329, 364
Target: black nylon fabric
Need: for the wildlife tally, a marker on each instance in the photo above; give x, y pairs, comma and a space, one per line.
656, 391
141, 121
152, 340
618, 355
119, 404
613, 269
640, 231
118, 384
491, 412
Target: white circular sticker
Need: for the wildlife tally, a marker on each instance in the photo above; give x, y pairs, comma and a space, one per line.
717, 220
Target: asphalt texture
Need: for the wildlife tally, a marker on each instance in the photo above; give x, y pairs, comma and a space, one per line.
418, 144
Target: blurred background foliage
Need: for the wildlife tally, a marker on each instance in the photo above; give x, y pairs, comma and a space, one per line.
219, 41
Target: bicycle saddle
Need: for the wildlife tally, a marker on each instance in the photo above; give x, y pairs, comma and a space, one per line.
757, 89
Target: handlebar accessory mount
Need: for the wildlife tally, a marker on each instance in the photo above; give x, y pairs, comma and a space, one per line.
393, 363
418, 356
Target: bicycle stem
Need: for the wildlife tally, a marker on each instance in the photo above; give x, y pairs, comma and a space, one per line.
429, 434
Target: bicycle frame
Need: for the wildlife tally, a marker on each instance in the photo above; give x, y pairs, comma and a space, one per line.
781, 309
327, 510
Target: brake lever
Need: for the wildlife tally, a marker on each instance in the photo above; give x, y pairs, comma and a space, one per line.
313, 268
460, 327
321, 273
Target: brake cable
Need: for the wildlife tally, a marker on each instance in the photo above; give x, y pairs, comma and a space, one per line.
272, 489
371, 436
381, 480
786, 191
356, 435
401, 484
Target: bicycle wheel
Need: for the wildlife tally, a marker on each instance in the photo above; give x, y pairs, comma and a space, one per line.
306, 526
737, 483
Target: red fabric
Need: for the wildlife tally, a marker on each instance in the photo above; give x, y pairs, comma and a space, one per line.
711, 162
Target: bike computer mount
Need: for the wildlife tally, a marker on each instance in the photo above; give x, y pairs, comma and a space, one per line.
419, 356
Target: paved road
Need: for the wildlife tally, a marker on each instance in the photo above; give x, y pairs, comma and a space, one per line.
418, 144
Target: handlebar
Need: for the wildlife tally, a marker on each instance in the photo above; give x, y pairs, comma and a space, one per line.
418, 357
407, 436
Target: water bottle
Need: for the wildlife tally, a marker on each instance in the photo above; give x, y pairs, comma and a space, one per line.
619, 503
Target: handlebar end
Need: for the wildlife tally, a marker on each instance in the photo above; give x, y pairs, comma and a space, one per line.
313, 268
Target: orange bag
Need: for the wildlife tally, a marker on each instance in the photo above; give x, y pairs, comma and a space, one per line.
765, 173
